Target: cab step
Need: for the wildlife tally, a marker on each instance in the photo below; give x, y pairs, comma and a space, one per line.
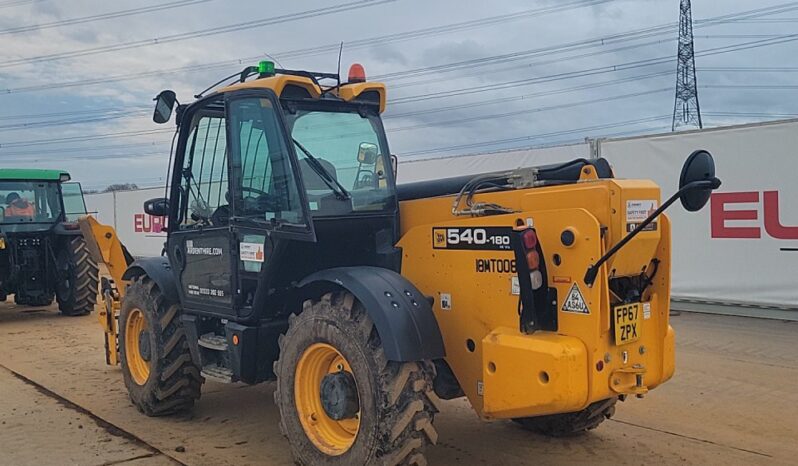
213, 341
217, 373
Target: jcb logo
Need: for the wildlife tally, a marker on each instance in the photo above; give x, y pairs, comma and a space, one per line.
439, 237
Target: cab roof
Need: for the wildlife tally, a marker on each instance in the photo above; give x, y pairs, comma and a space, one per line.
306, 87
33, 174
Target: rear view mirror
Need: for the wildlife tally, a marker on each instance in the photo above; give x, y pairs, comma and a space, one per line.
164, 104
158, 207
700, 166
367, 154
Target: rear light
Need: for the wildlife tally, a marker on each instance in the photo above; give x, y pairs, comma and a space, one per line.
533, 259
530, 239
70, 226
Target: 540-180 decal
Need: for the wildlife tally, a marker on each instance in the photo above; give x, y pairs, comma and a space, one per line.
473, 238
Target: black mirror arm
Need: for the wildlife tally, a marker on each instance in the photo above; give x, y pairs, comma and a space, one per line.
592, 271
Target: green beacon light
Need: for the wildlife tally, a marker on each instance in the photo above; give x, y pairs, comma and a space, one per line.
266, 68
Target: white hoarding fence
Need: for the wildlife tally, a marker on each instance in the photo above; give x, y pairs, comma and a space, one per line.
142, 234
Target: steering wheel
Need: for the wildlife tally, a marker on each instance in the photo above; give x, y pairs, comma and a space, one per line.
263, 202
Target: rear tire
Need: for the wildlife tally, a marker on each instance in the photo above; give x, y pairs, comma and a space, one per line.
396, 404
160, 376
570, 424
77, 292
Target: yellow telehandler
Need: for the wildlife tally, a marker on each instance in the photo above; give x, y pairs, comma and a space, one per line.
541, 294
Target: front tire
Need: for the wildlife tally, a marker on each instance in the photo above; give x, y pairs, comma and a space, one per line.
77, 290
160, 376
390, 413
570, 424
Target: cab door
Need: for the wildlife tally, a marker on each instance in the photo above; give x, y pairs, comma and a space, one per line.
199, 230
268, 198
238, 189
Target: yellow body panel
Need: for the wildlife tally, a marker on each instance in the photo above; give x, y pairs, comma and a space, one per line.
501, 376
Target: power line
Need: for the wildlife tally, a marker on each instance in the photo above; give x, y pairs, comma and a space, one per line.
496, 116
44, 124
82, 150
102, 16
590, 71
497, 142
84, 138
483, 103
19, 2
342, 7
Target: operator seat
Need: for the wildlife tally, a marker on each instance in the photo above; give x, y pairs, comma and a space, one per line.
313, 181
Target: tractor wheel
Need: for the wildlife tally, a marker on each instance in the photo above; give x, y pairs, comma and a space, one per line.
565, 425
159, 374
77, 291
341, 401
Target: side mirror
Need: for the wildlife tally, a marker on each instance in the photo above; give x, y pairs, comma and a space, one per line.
164, 103
158, 207
394, 165
700, 166
367, 153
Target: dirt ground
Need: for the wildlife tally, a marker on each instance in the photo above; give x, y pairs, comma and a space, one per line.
733, 400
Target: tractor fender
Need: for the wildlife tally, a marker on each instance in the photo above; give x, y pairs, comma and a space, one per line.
402, 314
159, 270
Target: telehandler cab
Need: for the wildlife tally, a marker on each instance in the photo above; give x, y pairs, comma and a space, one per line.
541, 294
43, 255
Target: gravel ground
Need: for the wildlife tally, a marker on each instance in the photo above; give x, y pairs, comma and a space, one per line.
733, 400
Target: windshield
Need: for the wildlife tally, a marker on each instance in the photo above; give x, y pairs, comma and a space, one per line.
349, 148
24, 202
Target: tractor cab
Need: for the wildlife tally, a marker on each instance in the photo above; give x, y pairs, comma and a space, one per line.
275, 178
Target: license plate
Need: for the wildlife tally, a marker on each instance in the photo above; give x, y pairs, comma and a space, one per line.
626, 320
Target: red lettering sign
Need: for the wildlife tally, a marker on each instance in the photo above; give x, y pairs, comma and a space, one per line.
772, 222
723, 219
143, 223
720, 215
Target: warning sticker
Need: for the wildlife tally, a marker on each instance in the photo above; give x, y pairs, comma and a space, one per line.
446, 301
637, 211
575, 302
251, 252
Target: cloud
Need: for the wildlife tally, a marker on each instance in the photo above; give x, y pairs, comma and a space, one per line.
543, 105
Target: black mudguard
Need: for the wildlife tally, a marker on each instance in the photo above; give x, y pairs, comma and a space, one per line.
403, 316
159, 270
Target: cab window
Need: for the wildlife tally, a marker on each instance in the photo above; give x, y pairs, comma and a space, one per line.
265, 186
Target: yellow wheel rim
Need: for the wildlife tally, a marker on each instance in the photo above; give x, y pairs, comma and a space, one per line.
138, 366
328, 435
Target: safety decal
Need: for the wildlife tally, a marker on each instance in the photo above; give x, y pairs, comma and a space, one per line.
251, 252
446, 301
637, 211
515, 286
575, 302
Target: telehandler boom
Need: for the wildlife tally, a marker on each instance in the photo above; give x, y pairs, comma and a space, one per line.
541, 294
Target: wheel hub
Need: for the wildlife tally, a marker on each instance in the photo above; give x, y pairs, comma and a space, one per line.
339, 395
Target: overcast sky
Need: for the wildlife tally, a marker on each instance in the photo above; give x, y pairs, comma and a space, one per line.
463, 76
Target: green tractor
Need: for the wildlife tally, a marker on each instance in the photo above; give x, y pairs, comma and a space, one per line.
43, 255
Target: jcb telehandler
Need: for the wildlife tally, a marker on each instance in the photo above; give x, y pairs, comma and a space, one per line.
541, 294
42, 253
